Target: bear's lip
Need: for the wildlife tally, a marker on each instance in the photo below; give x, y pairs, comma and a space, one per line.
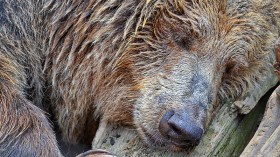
161, 142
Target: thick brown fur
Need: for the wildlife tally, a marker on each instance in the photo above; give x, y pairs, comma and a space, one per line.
24, 129
127, 61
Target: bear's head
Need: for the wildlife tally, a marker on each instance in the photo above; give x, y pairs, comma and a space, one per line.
189, 57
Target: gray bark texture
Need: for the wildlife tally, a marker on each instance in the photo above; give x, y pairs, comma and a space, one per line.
266, 141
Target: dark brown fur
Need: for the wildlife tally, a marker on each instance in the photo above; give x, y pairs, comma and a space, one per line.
125, 61
24, 129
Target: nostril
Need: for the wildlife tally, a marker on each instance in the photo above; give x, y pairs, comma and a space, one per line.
164, 127
184, 130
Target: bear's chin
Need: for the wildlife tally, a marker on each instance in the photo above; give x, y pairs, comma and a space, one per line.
156, 141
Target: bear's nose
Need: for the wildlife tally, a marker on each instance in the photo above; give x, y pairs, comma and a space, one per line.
178, 127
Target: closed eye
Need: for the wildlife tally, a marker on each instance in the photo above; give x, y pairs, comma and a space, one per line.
182, 42
229, 67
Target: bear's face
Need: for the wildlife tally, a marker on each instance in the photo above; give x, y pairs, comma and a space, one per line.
189, 59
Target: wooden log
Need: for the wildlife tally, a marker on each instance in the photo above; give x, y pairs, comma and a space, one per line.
266, 141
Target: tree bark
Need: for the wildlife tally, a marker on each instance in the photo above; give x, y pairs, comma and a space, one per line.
266, 141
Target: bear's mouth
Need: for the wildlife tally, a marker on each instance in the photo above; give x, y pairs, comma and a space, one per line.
157, 141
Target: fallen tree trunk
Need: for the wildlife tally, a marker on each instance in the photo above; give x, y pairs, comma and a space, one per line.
227, 135
266, 141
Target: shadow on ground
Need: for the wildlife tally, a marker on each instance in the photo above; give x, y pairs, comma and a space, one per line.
70, 150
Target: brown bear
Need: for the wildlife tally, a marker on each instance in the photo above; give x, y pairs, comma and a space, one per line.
163, 66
